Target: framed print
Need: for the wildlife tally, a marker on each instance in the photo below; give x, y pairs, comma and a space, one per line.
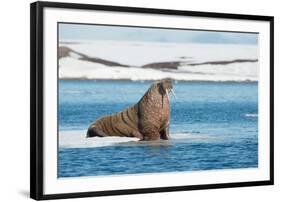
136, 100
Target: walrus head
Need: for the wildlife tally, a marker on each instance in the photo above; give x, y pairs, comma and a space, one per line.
165, 87
158, 93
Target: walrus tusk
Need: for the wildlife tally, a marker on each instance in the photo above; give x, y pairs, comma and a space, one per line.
171, 90
168, 95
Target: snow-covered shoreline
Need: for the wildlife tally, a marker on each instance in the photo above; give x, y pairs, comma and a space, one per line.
107, 60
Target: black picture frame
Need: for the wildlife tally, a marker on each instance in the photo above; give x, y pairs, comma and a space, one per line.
36, 98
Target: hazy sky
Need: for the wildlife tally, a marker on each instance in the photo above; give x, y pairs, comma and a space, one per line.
98, 32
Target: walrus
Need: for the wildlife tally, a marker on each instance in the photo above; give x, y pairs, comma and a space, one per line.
149, 119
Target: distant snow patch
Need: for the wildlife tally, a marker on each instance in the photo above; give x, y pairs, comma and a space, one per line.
251, 115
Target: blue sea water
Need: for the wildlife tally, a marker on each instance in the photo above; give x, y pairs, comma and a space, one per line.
220, 119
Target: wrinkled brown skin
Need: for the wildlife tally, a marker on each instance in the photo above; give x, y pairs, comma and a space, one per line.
147, 120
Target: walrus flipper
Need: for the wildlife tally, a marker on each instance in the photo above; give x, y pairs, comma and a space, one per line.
164, 134
149, 132
137, 134
95, 132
